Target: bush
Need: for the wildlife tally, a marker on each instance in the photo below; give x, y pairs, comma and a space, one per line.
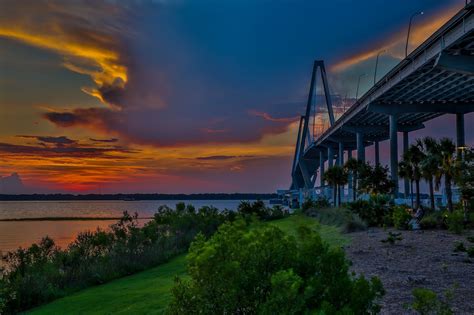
431, 220
470, 252
427, 302
455, 221
343, 218
320, 202
459, 247
247, 210
267, 271
375, 211
392, 238
401, 217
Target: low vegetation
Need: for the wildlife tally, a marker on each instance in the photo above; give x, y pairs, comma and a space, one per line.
44, 272
267, 271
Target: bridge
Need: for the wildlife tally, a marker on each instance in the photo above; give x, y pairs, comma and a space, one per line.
436, 78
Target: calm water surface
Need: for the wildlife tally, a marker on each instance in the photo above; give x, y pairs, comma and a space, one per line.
25, 233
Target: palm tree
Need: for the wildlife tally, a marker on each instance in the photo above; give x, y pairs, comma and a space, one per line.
430, 163
446, 153
336, 176
413, 157
405, 171
353, 166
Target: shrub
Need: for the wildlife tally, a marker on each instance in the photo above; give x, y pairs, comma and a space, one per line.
431, 220
374, 211
470, 252
320, 202
455, 221
247, 210
427, 302
470, 239
392, 238
341, 217
459, 247
267, 271
401, 217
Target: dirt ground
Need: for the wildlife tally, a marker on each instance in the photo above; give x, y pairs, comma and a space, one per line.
421, 259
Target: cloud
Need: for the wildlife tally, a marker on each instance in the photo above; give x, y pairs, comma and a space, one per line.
58, 141
84, 33
268, 117
222, 157
104, 140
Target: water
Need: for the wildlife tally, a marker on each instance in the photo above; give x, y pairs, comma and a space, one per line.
25, 233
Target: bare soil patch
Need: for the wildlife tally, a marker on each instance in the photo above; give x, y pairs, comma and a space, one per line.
422, 259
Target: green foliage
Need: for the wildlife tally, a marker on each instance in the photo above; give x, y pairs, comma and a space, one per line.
374, 211
401, 217
336, 176
455, 221
392, 238
470, 239
248, 210
459, 247
319, 203
427, 302
44, 272
347, 220
267, 271
432, 220
470, 252
375, 180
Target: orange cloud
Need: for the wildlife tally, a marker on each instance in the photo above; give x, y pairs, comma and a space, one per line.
395, 44
83, 35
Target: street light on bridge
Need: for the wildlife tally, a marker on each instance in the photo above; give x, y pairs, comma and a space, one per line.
358, 84
409, 29
377, 63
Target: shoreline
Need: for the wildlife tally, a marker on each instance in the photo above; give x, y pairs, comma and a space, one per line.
67, 219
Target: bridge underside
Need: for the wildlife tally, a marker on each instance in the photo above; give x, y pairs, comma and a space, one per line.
436, 79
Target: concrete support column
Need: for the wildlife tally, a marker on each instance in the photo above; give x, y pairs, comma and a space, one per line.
321, 168
360, 146
349, 185
341, 154
460, 138
406, 144
341, 164
330, 157
377, 153
394, 151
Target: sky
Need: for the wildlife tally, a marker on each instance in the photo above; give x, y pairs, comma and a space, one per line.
184, 96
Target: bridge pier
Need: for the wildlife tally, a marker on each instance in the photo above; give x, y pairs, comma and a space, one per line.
321, 168
330, 156
406, 182
394, 151
341, 164
360, 146
349, 184
377, 153
460, 137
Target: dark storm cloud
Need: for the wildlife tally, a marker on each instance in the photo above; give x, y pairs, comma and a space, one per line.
59, 141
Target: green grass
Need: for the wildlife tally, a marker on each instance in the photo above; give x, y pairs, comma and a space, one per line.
148, 292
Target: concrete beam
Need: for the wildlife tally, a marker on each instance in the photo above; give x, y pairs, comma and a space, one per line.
419, 107
377, 153
410, 128
456, 63
360, 146
364, 128
406, 143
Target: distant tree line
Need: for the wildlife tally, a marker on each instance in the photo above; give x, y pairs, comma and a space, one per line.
206, 196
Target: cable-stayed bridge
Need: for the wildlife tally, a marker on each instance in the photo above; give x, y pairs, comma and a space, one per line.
437, 78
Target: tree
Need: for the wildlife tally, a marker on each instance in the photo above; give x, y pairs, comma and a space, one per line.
405, 171
464, 178
353, 166
375, 180
447, 150
262, 270
412, 160
336, 176
430, 163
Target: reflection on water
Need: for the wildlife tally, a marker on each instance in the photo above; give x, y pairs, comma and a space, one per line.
25, 233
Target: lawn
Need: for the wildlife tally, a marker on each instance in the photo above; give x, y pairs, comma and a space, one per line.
148, 292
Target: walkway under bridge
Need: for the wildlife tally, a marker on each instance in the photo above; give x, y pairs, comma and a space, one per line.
437, 78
